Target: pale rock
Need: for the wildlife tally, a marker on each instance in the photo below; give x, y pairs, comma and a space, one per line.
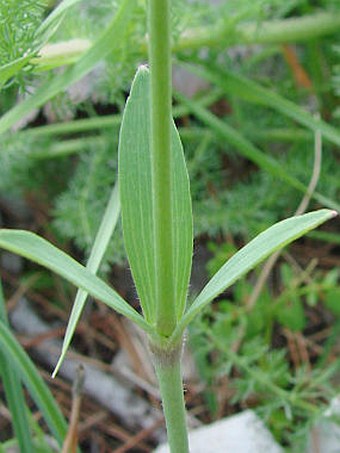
241, 433
325, 436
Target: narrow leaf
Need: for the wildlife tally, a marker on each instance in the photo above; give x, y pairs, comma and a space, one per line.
34, 382
137, 201
267, 242
101, 242
14, 393
251, 91
250, 151
53, 21
39, 250
10, 69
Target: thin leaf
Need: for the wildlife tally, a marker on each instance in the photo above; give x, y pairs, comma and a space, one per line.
34, 382
251, 91
109, 41
99, 248
250, 151
39, 250
14, 393
44, 32
10, 69
53, 21
266, 243
137, 201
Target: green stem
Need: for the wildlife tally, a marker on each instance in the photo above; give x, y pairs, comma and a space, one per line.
160, 72
171, 389
297, 29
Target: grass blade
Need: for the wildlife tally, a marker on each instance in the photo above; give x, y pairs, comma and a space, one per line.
266, 243
9, 70
37, 249
101, 242
137, 201
34, 382
251, 91
14, 394
106, 43
53, 20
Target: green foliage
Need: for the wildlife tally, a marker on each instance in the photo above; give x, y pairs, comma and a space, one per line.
138, 205
44, 253
19, 20
243, 180
18, 163
10, 378
336, 78
17, 368
290, 399
78, 211
100, 246
217, 194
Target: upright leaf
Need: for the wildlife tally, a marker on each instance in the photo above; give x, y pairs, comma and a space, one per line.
134, 170
103, 236
14, 392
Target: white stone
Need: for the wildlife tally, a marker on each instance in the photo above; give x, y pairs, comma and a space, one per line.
241, 433
325, 437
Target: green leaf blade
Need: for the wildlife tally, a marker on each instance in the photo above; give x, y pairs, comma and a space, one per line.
37, 249
253, 92
100, 245
14, 392
134, 163
14, 353
263, 245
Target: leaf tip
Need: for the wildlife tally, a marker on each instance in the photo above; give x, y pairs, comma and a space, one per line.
143, 68
57, 368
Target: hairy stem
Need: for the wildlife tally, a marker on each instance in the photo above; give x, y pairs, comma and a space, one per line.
171, 388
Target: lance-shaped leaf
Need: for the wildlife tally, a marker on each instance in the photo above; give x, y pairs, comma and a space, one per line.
39, 250
267, 242
39, 391
136, 196
14, 393
103, 236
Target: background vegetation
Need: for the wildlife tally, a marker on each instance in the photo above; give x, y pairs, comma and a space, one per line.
259, 83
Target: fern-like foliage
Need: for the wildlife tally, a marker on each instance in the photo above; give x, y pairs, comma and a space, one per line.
258, 375
19, 20
336, 78
79, 210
